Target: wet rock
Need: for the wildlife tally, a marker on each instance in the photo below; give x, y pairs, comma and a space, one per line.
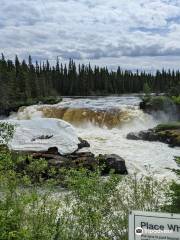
86, 160
75, 160
171, 137
148, 135
133, 136
169, 133
83, 160
83, 143
113, 162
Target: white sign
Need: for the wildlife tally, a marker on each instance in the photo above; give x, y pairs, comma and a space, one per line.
150, 225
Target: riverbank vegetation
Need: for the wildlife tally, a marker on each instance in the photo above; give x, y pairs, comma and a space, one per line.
27, 83
88, 207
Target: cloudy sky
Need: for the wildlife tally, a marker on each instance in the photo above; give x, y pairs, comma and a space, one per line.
142, 34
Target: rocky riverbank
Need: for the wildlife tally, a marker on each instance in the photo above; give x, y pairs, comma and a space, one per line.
78, 160
166, 133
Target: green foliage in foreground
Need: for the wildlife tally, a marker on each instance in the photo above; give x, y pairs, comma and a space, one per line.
91, 208
176, 99
175, 191
6, 132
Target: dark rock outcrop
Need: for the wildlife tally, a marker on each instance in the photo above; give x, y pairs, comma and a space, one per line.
148, 135
76, 160
113, 162
169, 134
83, 143
86, 160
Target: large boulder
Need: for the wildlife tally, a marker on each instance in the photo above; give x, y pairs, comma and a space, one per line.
148, 135
75, 160
40, 134
113, 162
133, 136
83, 143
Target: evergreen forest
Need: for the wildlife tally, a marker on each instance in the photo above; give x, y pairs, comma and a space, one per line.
23, 82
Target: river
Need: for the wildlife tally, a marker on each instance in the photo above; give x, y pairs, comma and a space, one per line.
104, 122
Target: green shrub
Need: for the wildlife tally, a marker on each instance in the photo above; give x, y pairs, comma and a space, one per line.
6, 132
160, 102
50, 100
176, 99
101, 206
174, 193
92, 208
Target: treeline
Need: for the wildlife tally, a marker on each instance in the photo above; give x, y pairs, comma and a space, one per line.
21, 81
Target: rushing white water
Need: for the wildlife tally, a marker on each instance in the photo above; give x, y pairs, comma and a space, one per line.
110, 136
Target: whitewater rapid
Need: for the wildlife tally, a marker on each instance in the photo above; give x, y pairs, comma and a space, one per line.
104, 122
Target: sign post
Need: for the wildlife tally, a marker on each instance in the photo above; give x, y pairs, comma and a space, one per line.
151, 225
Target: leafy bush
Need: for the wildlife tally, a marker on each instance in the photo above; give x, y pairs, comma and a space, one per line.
100, 207
176, 99
6, 132
92, 208
160, 102
174, 194
174, 90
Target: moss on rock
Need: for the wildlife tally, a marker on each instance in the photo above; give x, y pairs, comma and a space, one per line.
168, 133
168, 126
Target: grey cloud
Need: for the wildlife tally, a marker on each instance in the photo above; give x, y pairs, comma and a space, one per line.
69, 54
90, 29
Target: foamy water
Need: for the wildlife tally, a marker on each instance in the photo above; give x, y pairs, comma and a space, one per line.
119, 116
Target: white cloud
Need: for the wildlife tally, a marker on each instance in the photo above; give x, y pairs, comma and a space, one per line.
92, 30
